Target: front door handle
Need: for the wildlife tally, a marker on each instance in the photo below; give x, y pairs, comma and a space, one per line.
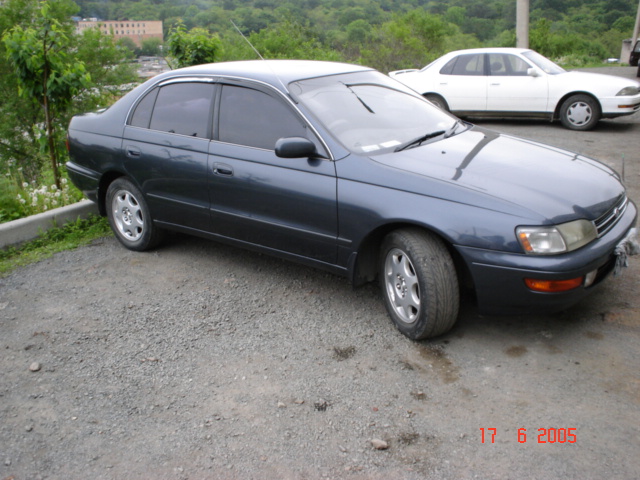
222, 169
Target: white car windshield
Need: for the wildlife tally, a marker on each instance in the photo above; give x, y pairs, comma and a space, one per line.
370, 113
543, 63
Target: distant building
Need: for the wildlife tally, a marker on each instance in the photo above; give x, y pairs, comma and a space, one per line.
136, 31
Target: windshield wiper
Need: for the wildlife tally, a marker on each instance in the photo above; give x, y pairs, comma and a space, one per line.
369, 109
453, 129
420, 140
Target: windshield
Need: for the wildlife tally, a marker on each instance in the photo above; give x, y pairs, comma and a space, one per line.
543, 63
368, 112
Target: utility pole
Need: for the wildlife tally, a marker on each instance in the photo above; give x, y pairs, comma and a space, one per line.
636, 28
522, 23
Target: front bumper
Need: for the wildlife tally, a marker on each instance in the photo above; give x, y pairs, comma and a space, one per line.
618, 106
499, 276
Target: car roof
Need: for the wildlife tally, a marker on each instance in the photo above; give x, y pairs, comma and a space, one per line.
491, 50
275, 72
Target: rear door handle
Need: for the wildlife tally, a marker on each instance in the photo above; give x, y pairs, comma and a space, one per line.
133, 152
222, 169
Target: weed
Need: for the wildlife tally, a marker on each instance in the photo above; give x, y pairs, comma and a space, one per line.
68, 237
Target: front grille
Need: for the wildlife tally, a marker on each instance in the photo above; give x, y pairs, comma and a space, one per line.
607, 221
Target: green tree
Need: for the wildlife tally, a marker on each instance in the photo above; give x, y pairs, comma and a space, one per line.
194, 47
108, 65
456, 15
150, 47
46, 71
129, 44
291, 40
409, 40
19, 140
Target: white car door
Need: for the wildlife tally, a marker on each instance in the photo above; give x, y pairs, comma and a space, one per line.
463, 84
511, 89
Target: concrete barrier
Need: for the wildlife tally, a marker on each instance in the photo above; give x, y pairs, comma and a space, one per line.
25, 229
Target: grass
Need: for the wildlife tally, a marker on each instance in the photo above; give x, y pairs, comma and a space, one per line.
68, 237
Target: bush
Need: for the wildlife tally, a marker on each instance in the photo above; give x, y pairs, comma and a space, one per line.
19, 198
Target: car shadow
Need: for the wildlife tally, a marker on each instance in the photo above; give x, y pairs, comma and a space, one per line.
336, 292
617, 125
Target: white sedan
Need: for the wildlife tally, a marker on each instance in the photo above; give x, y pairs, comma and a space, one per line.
514, 82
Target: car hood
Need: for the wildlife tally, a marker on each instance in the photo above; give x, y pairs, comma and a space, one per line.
597, 82
551, 184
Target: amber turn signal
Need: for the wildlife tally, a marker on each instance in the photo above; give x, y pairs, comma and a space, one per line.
551, 286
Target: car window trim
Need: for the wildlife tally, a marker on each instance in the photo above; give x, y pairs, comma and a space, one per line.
161, 83
241, 81
173, 80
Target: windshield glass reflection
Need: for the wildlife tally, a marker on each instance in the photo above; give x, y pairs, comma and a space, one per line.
370, 113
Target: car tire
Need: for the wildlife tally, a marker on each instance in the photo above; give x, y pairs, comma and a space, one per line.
638, 72
129, 216
580, 112
419, 283
438, 101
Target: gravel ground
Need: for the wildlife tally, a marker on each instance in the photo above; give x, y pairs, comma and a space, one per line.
200, 361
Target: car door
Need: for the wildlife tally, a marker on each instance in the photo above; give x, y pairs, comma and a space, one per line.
166, 146
511, 88
256, 197
462, 82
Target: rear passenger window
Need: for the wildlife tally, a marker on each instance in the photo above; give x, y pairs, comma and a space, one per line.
142, 114
183, 108
472, 64
180, 108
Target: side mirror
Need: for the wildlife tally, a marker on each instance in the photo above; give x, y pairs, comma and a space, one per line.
533, 72
295, 147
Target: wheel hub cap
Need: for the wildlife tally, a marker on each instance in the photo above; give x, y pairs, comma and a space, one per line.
579, 113
402, 286
127, 215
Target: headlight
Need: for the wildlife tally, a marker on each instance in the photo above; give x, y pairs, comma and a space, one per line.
628, 92
557, 239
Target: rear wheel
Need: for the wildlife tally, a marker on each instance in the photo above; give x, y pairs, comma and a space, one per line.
580, 112
438, 101
129, 216
419, 283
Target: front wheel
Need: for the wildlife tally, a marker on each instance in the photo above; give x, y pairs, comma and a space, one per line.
419, 283
129, 216
580, 112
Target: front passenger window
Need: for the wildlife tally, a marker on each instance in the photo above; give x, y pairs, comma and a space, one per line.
253, 118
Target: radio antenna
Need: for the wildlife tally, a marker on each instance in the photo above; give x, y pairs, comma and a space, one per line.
246, 39
284, 87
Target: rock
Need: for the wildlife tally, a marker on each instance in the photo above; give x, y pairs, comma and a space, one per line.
35, 367
379, 444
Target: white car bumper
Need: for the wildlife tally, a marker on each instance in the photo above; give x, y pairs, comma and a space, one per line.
618, 106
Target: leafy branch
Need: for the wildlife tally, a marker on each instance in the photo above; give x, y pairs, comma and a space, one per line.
41, 56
